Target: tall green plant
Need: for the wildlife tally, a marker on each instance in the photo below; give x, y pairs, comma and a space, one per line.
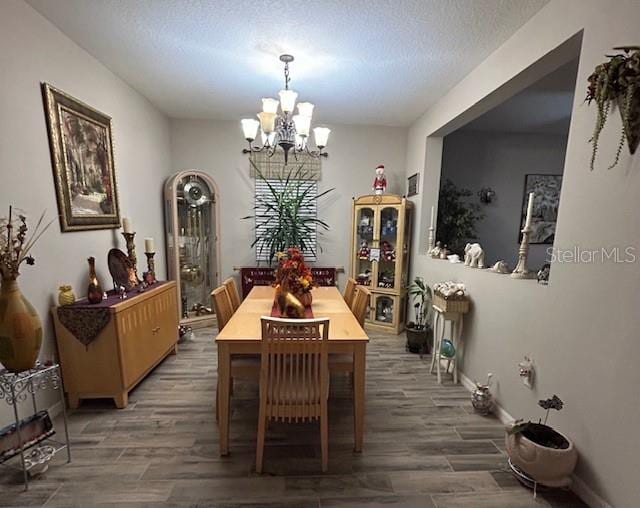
281, 218
456, 217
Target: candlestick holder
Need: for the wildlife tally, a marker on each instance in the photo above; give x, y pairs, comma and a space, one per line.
131, 251
521, 271
431, 241
150, 275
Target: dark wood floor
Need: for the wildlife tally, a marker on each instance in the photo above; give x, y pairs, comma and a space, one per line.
424, 446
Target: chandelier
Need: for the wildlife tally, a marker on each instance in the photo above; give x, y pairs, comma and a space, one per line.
284, 129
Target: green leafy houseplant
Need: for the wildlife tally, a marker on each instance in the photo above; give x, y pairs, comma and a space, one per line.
617, 82
281, 217
418, 331
457, 218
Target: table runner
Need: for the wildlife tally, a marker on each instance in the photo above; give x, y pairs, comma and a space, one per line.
85, 320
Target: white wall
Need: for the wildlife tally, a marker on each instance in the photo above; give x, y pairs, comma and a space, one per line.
31, 51
581, 330
354, 151
475, 159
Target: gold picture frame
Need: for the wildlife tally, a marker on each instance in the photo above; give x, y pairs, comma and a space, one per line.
81, 145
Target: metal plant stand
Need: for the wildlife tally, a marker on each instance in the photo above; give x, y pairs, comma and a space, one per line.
16, 388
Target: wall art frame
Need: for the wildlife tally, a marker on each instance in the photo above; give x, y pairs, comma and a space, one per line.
413, 185
81, 146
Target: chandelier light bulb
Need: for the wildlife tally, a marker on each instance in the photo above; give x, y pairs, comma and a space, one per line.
269, 105
321, 136
287, 100
305, 109
303, 124
250, 128
267, 122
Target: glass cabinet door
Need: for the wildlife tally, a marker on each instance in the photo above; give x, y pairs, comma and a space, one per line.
388, 242
196, 245
385, 309
365, 221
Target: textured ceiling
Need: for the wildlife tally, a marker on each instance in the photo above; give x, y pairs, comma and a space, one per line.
361, 61
543, 108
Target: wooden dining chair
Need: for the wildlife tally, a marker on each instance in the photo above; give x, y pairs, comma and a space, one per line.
223, 306
232, 290
242, 366
350, 291
361, 304
294, 377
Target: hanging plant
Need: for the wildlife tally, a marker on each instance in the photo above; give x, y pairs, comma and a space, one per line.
617, 82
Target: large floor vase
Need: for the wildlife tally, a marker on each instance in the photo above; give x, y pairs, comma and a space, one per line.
20, 329
546, 465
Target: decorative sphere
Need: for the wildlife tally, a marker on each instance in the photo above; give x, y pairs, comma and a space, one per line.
447, 349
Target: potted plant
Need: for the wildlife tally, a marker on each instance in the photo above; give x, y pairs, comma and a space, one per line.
419, 332
457, 217
617, 82
541, 452
282, 216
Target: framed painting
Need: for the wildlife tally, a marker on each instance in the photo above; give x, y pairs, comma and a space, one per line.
545, 206
81, 148
412, 185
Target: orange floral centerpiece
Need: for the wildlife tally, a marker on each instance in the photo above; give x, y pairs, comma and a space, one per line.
294, 276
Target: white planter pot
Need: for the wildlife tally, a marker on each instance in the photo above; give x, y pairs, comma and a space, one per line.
548, 466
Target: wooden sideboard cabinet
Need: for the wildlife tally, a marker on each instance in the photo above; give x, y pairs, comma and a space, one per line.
141, 332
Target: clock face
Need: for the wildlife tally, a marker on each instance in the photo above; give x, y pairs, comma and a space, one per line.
195, 193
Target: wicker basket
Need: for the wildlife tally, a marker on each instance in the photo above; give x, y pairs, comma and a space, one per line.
456, 304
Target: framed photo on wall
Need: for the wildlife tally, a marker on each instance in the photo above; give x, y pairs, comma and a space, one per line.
412, 185
81, 148
545, 206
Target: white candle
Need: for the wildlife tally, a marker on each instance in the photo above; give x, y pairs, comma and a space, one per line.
126, 225
433, 211
149, 245
529, 210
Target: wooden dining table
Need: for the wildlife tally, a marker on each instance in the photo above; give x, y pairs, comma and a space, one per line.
242, 335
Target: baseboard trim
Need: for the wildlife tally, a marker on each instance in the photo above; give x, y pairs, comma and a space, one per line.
578, 486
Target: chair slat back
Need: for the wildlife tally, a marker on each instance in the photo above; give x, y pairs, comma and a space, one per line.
361, 304
222, 304
232, 289
350, 291
294, 376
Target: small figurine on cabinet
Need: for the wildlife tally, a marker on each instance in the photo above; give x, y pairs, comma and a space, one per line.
474, 255
500, 267
389, 227
435, 251
444, 252
388, 253
364, 278
386, 280
363, 253
543, 274
380, 182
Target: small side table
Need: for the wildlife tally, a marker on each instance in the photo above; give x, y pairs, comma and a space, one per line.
440, 319
16, 388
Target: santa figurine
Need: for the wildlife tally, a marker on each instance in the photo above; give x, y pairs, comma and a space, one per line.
380, 182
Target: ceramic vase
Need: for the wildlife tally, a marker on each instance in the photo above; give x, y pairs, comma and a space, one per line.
66, 295
481, 399
20, 329
94, 291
